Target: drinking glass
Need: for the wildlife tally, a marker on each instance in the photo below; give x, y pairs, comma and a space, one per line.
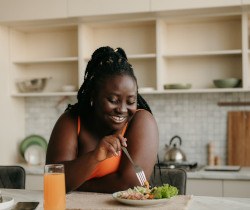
54, 187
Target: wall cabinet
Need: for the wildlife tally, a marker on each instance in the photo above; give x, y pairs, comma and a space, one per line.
165, 50
218, 188
34, 182
50, 52
78, 8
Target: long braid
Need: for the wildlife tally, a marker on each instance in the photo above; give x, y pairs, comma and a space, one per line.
105, 62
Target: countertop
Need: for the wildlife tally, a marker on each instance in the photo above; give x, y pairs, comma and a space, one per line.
84, 200
243, 174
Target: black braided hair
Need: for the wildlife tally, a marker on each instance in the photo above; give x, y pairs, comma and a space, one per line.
105, 62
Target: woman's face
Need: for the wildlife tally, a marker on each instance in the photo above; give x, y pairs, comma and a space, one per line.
116, 102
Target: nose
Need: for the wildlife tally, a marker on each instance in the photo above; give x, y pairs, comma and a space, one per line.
122, 108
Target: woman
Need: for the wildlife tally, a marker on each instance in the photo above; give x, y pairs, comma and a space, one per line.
110, 113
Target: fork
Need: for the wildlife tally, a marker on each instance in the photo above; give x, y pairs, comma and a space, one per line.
138, 170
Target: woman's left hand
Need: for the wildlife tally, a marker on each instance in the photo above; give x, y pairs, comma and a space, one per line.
110, 146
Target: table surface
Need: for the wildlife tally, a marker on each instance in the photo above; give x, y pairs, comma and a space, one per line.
85, 200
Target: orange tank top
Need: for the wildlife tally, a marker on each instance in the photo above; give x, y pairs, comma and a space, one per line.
107, 166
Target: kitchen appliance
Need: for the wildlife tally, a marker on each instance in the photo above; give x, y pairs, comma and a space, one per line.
188, 166
174, 152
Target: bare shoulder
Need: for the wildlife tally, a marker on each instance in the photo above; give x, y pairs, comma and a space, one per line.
143, 125
144, 117
63, 139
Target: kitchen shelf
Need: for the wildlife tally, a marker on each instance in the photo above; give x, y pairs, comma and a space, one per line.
44, 51
47, 60
193, 49
43, 94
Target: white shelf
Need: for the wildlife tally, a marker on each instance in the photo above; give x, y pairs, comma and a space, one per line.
46, 60
204, 53
39, 94
190, 49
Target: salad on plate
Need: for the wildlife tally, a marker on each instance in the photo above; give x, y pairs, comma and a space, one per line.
147, 193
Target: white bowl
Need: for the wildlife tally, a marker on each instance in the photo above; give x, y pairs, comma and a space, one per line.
32, 85
35, 155
68, 88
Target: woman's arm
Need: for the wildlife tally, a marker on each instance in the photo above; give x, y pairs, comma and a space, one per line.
142, 140
63, 147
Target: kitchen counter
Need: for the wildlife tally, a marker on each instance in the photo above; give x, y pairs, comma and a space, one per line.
242, 174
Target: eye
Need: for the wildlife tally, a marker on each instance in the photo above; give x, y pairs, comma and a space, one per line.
113, 100
131, 101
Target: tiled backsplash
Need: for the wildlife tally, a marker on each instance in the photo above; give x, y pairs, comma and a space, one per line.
195, 117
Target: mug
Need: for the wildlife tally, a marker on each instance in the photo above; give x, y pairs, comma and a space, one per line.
54, 187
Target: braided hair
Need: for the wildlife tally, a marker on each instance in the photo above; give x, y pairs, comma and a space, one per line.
104, 63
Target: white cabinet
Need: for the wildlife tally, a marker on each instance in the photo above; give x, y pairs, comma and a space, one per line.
193, 49
16, 10
137, 38
159, 5
78, 8
204, 187
50, 51
234, 188
218, 187
34, 182
199, 50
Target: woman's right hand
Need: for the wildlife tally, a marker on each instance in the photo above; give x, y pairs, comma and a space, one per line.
110, 146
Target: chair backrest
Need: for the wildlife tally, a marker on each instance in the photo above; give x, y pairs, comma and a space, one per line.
12, 177
176, 177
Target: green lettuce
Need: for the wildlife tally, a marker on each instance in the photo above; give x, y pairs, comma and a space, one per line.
165, 191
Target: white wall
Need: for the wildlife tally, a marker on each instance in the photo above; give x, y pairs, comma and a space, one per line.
11, 110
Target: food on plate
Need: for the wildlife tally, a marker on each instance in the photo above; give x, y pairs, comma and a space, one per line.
145, 192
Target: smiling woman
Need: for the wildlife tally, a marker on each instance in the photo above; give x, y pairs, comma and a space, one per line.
110, 113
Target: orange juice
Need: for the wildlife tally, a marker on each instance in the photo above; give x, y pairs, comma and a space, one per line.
54, 191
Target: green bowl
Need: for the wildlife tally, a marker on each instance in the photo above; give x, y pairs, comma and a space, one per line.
32, 140
177, 86
227, 83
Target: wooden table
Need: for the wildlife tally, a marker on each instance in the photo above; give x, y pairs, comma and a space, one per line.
84, 200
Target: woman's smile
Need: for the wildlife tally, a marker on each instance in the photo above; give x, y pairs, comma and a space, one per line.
118, 119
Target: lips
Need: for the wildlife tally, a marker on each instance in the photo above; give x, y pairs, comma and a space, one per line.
118, 119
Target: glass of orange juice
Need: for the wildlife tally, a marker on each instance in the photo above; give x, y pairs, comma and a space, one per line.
54, 187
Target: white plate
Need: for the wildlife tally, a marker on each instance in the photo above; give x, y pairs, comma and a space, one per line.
7, 202
35, 155
148, 202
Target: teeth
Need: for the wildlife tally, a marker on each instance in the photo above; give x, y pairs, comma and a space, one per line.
118, 119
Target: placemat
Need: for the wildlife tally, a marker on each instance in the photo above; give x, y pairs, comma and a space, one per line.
97, 201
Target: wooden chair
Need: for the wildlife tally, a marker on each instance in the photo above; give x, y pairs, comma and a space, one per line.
176, 177
12, 177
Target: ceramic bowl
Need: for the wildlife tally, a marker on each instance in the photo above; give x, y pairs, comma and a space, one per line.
68, 88
227, 83
35, 155
31, 85
177, 86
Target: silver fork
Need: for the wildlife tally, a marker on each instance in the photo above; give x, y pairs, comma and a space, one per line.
138, 170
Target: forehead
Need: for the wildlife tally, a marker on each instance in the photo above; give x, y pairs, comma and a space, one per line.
119, 83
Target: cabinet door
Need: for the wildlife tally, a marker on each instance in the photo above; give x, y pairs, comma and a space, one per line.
205, 187
34, 182
158, 5
16, 10
97, 7
234, 188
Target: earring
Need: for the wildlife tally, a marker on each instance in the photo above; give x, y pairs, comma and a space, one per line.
91, 103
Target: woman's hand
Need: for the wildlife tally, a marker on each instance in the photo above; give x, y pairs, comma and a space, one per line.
110, 146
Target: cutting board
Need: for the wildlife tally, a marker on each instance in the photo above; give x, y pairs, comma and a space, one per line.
238, 138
